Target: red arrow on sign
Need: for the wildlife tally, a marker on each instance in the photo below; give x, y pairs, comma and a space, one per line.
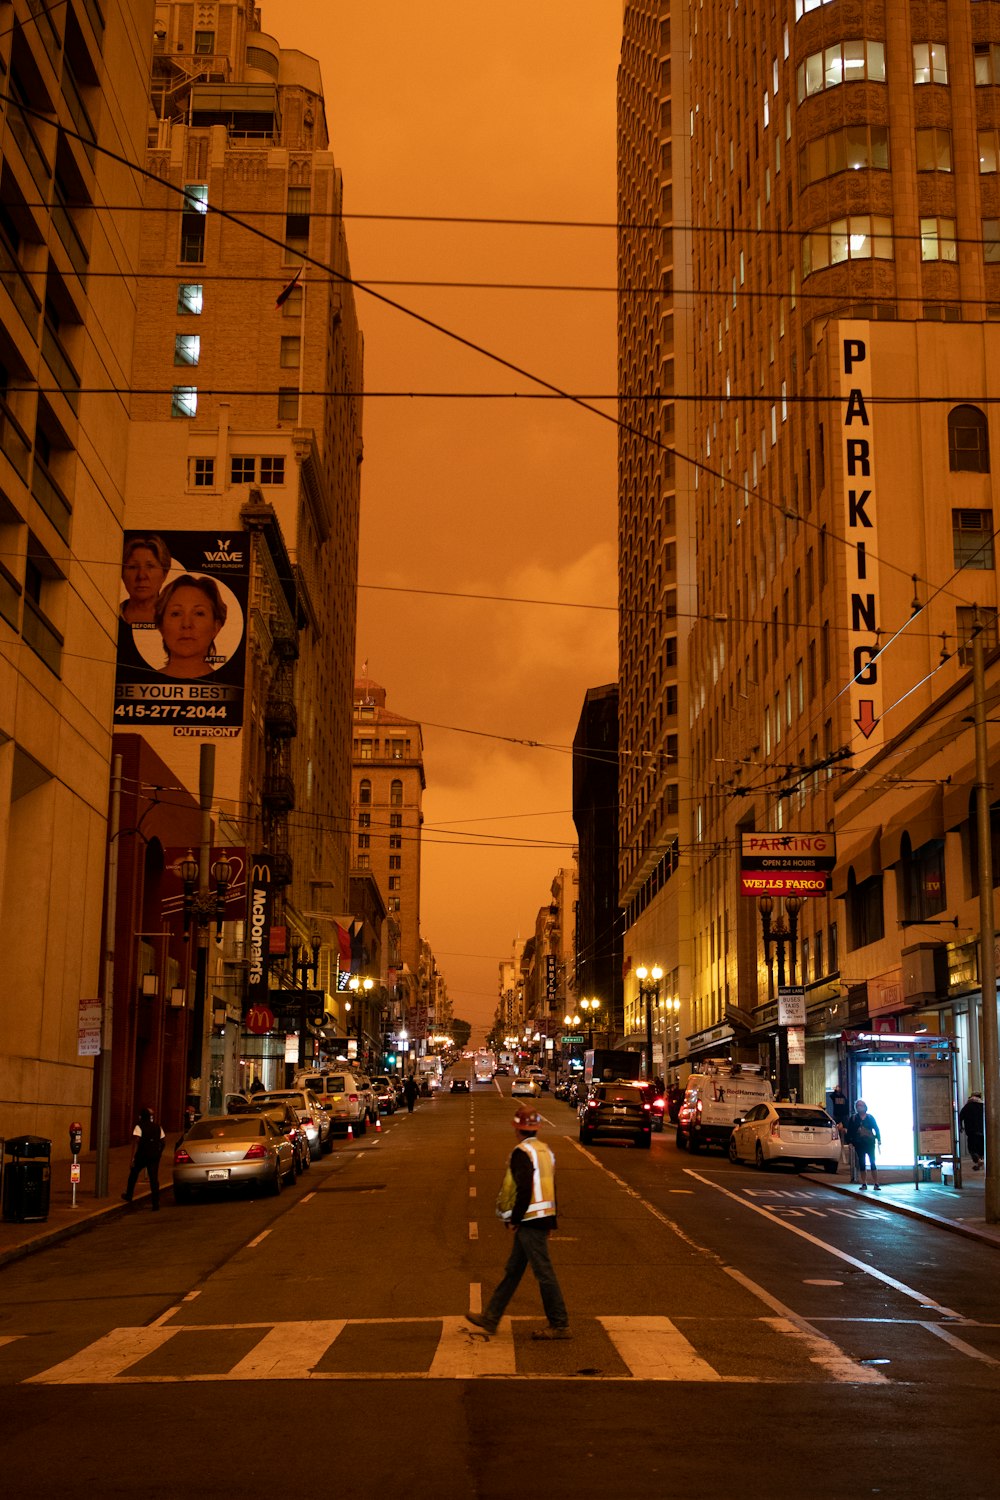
866, 720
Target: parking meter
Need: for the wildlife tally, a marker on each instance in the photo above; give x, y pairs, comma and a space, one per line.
75, 1138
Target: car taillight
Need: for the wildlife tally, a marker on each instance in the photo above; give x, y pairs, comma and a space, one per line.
697, 1111
181, 1157
776, 1129
353, 1098
658, 1104
645, 1108
308, 1121
256, 1153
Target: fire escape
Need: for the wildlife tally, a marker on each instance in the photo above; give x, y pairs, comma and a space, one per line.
280, 728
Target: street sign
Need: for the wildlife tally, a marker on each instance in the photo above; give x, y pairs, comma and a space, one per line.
787, 864
88, 1036
791, 1006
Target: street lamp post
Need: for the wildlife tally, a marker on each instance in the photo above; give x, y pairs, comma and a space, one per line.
781, 934
590, 1007
358, 987
302, 969
650, 992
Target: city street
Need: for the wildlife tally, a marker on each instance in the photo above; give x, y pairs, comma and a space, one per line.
735, 1334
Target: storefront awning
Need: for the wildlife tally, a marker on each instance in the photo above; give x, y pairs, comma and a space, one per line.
860, 854
922, 819
960, 788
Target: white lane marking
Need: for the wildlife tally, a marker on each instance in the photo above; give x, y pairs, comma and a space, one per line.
887, 1280
473, 1230
306, 1198
475, 1296
822, 1351
164, 1317
12, 1338
864, 1373
107, 1358
464, 1352
959, 1344
289, 1351
818, 1281
654, 1349
252, 1244
191, 1295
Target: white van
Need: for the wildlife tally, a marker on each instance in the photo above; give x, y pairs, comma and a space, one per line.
717, 1095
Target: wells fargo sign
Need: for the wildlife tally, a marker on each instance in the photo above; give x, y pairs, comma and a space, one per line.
787, 864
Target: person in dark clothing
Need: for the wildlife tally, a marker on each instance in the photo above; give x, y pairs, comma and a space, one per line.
256, 1086
527, 1204
971, 1119
864, 1135
410, 1092
839, 1108
147, 1149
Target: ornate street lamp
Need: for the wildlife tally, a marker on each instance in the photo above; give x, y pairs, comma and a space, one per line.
590, 1007
650, 992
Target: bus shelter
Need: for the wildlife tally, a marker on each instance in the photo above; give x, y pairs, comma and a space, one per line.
910, 1084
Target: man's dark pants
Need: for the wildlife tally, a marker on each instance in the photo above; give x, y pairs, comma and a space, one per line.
531, 1248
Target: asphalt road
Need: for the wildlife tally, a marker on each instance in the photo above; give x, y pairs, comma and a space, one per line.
736, 1334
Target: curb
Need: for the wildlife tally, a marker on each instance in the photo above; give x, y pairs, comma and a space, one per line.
969, 1231
50, 1237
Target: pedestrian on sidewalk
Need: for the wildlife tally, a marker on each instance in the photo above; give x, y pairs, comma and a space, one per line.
147, 1148
864, 1135
527, 1204
971, 1119
410, 1092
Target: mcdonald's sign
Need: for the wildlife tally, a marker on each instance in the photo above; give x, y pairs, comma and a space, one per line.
258, 924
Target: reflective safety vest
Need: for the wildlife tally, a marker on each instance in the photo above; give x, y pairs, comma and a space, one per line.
543, 1183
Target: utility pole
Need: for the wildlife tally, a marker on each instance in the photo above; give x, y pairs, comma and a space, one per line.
102, 1132
987, 955
203, 1017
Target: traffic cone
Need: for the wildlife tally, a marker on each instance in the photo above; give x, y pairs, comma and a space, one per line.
350, 1131
378, 1122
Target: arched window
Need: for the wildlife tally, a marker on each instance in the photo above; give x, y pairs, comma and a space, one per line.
396, 794
922, 872
865, 914
968, 441
365, 793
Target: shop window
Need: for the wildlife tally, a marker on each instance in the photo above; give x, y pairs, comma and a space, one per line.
865, 912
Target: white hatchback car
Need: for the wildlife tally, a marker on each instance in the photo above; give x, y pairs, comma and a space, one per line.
525, 1087
803, 1134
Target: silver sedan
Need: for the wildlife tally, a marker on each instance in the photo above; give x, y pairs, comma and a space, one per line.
232, 1151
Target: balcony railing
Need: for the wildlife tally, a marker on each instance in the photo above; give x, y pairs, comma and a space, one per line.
10, 597
51, 498
47, 31
43, 638
14, 441
67, 379
24, 135
78, 110
70, 236
279, 792
281, 717
19, 290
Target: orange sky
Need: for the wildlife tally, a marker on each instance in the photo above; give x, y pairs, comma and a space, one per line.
452, 108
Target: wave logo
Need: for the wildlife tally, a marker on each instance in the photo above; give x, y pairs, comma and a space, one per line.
224, 552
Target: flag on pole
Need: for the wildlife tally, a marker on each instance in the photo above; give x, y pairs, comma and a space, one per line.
284, 295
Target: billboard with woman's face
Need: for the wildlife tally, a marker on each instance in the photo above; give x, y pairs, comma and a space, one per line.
182, 629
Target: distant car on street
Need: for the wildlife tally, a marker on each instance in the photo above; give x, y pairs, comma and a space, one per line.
525, 1087
618, 1110
460, 1086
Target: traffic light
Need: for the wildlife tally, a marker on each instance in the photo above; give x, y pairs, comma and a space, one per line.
390, 1059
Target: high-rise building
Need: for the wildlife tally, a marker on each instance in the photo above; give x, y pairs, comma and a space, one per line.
387, 822
595, 813
246, 423
74, 120
841, 298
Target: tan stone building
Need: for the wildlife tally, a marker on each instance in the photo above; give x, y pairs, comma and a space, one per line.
841, 300
67, 305
246, 417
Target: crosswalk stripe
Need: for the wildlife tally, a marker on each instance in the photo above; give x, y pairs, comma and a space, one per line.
288, 1351
463, 1353
653, 1349
109, 1357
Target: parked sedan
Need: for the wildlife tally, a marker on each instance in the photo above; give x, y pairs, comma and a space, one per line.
287, 1121
232, 1151
385, 1094
313, 1116
803, 1134
617, 1110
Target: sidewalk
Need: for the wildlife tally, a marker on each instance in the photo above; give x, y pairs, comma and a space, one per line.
64, 1221
960, 1210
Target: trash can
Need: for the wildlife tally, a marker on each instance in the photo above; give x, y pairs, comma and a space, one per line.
26, 1179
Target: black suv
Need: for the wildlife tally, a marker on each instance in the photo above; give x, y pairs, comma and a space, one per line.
617, 1109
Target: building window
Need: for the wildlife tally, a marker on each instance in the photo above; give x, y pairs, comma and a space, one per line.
965, 624
986, 60
184, 401
203, 473
968, 441
861, 237
972, 538
930, 62
670, 702
865, 914
395, 861
364, 840
934, 151
190, 298
272, 469
394, 903
395, 882
991, 241
41, 579
204, 42
937, 239
364, 861
833, 955
193, 222
242, 470
364, 820
395, 820
848, 150
922, 873
297, 220
365, 793
844, 62
366, 749
187, 349
672, 799
670, 651
292, 305
288, 403
291, 351
395, 841
987, 151
396, 794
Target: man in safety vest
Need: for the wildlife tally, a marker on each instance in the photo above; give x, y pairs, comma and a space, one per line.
527, 1203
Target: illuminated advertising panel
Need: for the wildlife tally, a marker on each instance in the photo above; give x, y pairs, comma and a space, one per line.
182, 631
